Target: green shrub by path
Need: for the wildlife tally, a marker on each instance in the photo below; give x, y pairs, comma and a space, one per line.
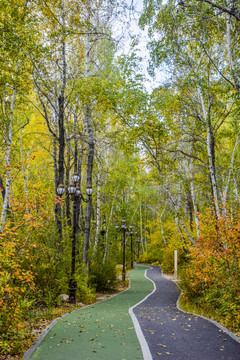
100, 331
103, 277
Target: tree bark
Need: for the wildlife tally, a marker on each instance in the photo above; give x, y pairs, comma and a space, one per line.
89, 183
193, 195
98, 213
91, 147
230, 171
8, 148
211, 156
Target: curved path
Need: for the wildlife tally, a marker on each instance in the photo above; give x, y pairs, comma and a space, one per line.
106, 331
173, 334
103, 331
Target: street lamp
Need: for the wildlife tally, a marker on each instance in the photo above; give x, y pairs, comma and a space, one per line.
138, 242
131, 233
60, 190
124, 253
134, 243
76, 195
89, 190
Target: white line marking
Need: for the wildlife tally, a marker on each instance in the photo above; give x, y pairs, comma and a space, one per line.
144, 346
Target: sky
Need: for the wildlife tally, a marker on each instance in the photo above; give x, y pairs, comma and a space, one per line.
128, 27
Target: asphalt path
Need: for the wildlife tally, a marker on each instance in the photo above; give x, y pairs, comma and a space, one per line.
173, 334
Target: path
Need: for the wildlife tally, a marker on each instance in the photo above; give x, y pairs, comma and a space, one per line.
105, 331
173, 334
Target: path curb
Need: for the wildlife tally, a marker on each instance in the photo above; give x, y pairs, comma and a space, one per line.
221, 327
144, 346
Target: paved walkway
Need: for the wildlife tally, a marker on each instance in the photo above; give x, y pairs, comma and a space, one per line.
103, 331
106, 331
173, 334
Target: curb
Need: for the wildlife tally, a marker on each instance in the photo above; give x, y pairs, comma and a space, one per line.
221, 327
144, 345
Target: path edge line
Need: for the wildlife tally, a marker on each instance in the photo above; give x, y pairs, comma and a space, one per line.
221, 327
141, 338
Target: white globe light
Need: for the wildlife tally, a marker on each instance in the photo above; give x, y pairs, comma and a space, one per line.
72, 189
78, 191
89, 190
60, 189
75, 178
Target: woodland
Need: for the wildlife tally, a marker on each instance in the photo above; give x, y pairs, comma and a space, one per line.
85, 144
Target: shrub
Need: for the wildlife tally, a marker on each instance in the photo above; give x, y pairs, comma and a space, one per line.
103, 276
212, 276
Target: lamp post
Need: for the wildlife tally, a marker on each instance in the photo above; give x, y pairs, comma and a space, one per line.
76, 195
124, 254
131, 234
134, 245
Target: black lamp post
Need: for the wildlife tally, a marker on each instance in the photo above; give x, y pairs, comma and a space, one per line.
124, 253
131, 234
76, 194
134, 245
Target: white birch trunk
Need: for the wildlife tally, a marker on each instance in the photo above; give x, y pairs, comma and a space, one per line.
108, 223
226, 188
25, 177
211, 165
193, 195
98, 213
229, 49
8, 148
187, 232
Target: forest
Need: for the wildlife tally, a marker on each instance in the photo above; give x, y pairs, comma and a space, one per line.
96, 167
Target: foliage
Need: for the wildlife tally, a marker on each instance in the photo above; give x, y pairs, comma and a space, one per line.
85, 293
50, 266
17, 280
103, 276
211, 276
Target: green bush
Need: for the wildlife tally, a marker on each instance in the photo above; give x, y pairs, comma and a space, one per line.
50, 265
85, 294
103, 276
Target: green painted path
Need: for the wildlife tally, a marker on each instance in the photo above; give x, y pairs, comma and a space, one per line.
103, 331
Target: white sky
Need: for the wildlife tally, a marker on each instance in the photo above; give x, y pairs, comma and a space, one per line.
128, 26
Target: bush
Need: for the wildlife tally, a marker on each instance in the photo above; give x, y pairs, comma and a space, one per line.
212, 277
85, 294
103, 276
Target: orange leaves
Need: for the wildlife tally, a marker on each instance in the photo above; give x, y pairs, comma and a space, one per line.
212, 274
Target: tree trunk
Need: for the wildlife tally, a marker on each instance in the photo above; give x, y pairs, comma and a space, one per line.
108, 223
67, 183
89, 183
229, 49
89, 165
25, 178
8, 148
61, 129
230, 171
211, 156
194, 201
98, 213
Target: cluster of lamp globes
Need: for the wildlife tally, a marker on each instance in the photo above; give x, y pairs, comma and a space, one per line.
73, 189
125, 227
